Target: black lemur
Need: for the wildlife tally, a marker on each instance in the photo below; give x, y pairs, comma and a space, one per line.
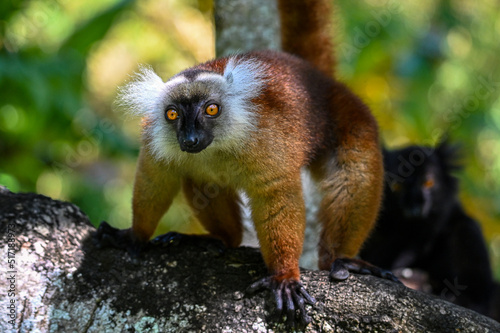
423, 226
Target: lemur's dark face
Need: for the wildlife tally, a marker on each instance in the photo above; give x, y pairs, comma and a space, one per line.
193, 109
193, 120
419, 181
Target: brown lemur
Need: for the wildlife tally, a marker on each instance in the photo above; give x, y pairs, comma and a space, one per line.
250, 122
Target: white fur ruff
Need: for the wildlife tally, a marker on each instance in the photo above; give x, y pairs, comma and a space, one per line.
148, 96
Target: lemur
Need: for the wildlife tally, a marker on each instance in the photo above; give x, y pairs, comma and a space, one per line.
423, 226
251, 122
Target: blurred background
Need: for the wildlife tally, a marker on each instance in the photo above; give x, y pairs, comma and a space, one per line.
430, 70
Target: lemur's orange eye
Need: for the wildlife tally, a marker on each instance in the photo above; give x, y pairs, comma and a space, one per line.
396, 187
171, 114
212, 110
428, 183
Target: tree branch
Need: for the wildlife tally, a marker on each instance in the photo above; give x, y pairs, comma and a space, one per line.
63, 283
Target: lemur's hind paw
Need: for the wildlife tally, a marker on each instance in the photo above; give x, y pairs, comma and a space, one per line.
341, 268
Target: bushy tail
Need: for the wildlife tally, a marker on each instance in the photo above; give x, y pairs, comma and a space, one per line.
305, 31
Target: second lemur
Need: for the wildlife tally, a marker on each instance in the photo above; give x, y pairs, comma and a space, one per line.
252, 122
424, 226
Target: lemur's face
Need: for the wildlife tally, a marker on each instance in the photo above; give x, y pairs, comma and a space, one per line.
198, 110
419, 181
416, 193
194, 110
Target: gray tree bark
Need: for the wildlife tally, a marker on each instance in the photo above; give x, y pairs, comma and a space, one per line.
243, 25
60, 282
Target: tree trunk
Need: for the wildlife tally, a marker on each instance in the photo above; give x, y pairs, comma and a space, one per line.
60, 282
243, 25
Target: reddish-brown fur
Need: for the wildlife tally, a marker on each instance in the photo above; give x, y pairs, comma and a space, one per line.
353, 187
305, 31
220, 214
306, 119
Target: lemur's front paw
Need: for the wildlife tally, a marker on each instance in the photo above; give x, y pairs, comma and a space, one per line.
108, 236
342, 266
170, 238
290, 295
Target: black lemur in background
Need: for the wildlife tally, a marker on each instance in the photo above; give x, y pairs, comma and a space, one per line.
423, 226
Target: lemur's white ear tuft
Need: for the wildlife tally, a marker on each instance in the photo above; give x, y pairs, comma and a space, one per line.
143, 95
245, 80
245, 77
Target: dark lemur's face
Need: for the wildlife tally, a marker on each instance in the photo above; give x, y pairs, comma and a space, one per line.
419, 181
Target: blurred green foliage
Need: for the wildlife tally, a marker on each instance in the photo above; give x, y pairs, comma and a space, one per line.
428, 69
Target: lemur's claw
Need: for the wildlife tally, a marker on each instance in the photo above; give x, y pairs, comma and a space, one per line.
341, 268
289, 295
